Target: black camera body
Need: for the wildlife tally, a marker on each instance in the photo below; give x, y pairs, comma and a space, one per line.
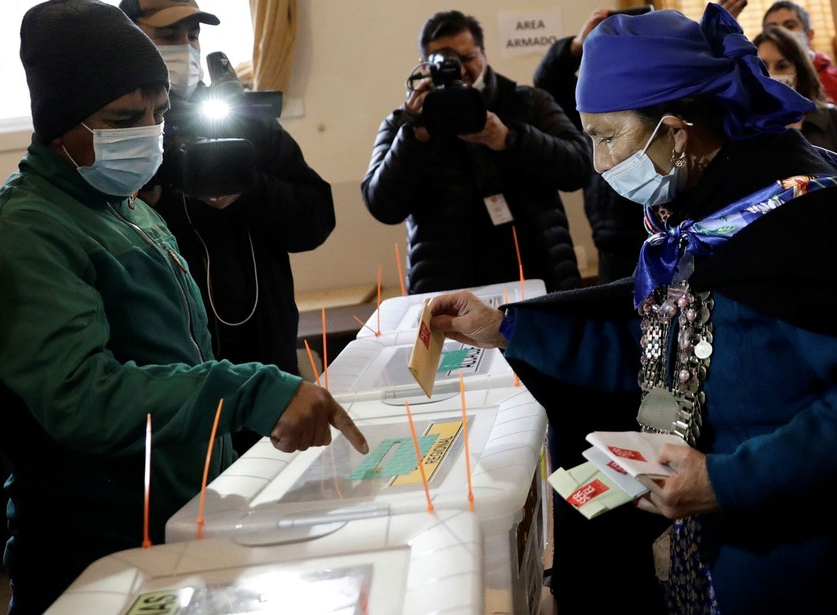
451, 108
207, 156
445, 69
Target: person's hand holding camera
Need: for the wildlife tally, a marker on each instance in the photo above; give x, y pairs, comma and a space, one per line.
414, 104
493, 135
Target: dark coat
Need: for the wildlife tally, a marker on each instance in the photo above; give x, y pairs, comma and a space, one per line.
769, 426
438, 188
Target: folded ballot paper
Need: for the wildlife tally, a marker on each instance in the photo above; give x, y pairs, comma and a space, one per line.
427, 351
608, 478
588, 489
635, 452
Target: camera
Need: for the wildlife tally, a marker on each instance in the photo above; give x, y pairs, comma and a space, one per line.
204, 152
451, 107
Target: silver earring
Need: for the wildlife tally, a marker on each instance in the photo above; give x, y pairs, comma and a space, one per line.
678, 161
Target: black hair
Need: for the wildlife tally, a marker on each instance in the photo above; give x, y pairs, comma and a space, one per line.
449, 23
807, 82
800, 11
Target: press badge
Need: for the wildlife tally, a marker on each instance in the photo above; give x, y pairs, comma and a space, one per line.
498, 209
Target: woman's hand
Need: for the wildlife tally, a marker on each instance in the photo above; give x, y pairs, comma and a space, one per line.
687, 492
464, 317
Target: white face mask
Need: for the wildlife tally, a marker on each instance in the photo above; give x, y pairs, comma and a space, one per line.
185, 70
636, 179
479, 84
788, 79
126, 158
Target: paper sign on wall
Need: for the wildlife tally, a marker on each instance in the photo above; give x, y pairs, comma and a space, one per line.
529, 32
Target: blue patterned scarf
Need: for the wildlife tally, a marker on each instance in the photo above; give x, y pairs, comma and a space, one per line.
667, 255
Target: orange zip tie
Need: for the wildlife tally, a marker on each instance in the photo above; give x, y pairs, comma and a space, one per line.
419, 457
519, 264
400, 273
206, 467
146, 539
378, 311
465, 435
363, 324
311, 359
325, 352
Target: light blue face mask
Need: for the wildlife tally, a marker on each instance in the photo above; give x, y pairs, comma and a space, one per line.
185, 70
126, 158
636, 178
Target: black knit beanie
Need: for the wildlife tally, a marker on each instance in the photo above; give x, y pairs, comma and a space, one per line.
80, 55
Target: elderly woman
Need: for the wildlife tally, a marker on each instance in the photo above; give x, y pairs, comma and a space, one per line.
736, 272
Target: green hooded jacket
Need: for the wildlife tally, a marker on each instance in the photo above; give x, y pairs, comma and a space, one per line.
101, 325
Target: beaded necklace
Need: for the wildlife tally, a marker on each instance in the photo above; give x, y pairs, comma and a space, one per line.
674, 369
673, 399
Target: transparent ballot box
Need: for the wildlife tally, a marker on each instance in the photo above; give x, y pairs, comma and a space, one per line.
376, 368
267, 490
413, 563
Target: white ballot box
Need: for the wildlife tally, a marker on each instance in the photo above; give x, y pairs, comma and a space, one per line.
267, 490
415, 563
375, 368
402, 313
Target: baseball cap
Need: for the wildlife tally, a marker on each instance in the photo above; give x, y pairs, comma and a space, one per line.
162, 13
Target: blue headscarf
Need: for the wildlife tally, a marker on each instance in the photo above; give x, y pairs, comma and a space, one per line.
632, 62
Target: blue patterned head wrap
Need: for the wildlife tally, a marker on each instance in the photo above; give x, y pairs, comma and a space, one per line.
631, 62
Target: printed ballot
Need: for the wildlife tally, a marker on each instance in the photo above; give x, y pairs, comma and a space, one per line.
615, 472
588, 489
635, 452
607, 479
427, 350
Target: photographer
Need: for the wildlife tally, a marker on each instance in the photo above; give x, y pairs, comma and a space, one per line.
463, 191
237, 245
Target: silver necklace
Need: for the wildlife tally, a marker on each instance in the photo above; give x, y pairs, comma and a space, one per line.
672, 391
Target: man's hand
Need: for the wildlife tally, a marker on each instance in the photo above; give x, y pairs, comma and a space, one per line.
466, 318
596, 17
493, 134
733, 7
308, 419
687, 492
415, 103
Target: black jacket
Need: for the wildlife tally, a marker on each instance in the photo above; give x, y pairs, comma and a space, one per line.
438, 188
289, 209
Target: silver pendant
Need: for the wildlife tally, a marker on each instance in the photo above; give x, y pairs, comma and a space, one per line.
659, 410
703, 349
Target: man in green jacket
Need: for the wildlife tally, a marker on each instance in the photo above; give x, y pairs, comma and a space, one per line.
103, 328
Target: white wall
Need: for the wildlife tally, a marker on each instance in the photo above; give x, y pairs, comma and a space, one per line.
352, 58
